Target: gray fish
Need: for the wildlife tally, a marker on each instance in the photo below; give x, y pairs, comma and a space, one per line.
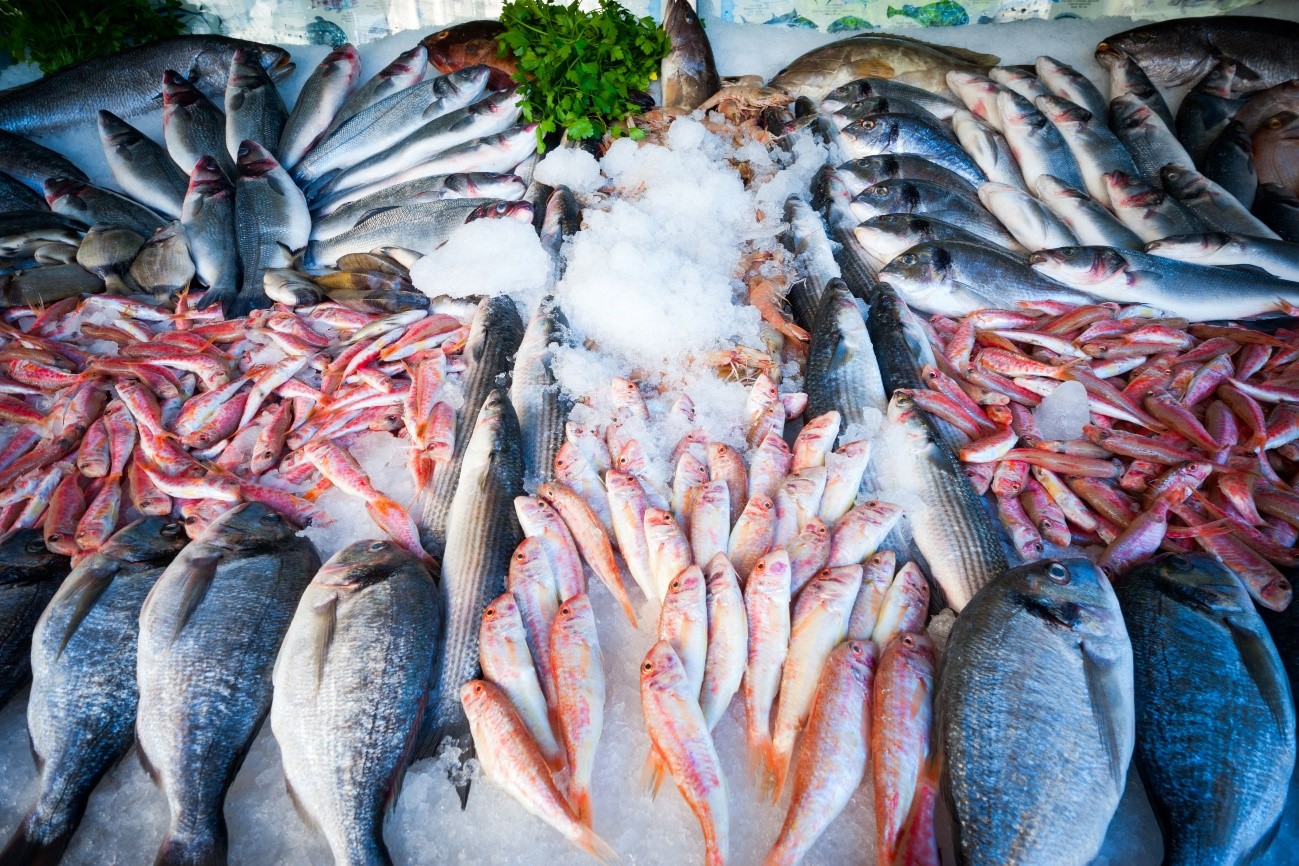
1034, 716
902, 347
192, 126
888, 236
51, 283
1095, 148
1180, 51
208, 215
871, 106
561, 220
128, 82
1090, 222
831, 197
141, 166
1151, 142
16, 195
495, 334
405, 71
1149, 212
540, 406
842, 373
482, 532
163, 266
1191, 291
1216, 208
32, 163
1031, 223
318, 103
1223, 249
941, 107
806, 240
420, 227
1206, 110
1070, 84
389, 121
885, 55
1215, 719
988, 148
254, 108
286, 286
1038, 146
92, 204
29, 575
979, 93
351, 682
271, 222
1229, 162
81, 713
907, 133
688, 71
955, 279
1126, 77
857, 174
951, 528
1278, 208
933, 200
333, 220
209, 633
1021, 81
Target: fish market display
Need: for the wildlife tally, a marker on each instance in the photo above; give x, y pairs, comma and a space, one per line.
32, 576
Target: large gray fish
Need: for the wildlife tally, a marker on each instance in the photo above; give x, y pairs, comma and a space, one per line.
1150, 141
192, 126
880, 55
1206, 110
482, 532
1214, 206
128, 82
32, 163
271, 222
1223, 249
1090, 222
420, 227
1038, 146
1034, 716
874, 105
831, 197
857, 174
389, 121
495, 334
1033, 224
908, 133
318, 103
405, 71
688, 72
1229, 162
81, 713
955, 279
931, 199
29, 575
208, 215
1148, 211
941, 107
842, 373
1180, 51
540, 406
902, 347
889, 236
209, 633
1278, 208
351, 682
333, 220
1126, 77
92, 204
142, 167
951, 528
1095, 148
18, 196
1191, 291
1215, 720
255, 110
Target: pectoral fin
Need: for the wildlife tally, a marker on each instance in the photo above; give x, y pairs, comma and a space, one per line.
198, 577
87, 589
326, 620
1113, 711
1261, 661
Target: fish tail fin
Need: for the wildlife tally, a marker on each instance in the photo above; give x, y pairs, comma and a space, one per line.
592, 844
30, 847
581, 797
779, 771
222, 295
207, 849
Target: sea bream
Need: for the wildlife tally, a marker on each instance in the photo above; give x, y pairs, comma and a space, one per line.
29, 576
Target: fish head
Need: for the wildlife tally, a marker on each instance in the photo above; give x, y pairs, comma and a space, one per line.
772, 567
889, 235
879, 569
150, 540
916, 653
61, 188
1282, 125
919, 271
1195, 580
177, 93
1078, 266
815, 531
1191, 247
478, 696
1128, 112
659, 523
412, 62
1172, 52
832, 584
115, 132
345, 58
502, 613
451, 48
1072, 595
662, 670
860, 657
1015, 109
471, 78
519, 210
575, 615
250, 526
255, 161
364, 563
1058, 110
688, 584
528, 556
886, 197
208, 180
876, 133
249, 64
25, 560
485, 184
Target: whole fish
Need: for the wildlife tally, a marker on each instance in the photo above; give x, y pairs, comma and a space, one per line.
877, 105
271, 223
933, 200
988, 149
1031, 223
32, 163
30, 577
1035, 705
767, 610
1182, 50
540, 406
901, 717
1148, 211
880, 55
1150, 141
1090, 222
728, 639
468, 44
1206, 109
1095, 148
940, 106
888, 236
209, 633
331, 220
405, 71
908, 133
107, 252
128, 82
1212, 204
579, 696
141, 167
81, 712
1215, 719
688, 71
164, 266
1223, 249
192, 126
495, 334
902, 348
318, 103
92, 205
254, 108
208, 215
842, 374
1127, 77
1191, 291
1021, 80
482, 532
351, 681
979, 93
858, 174
17, 196
1037, 144
508, 663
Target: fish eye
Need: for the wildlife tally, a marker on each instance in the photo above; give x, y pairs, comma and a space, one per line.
908, 259
478, 689
761, 566
856, 647
270, 518
489, 613
647, 667
378, 545
881, 190
1274, 123
1058, 574
564, 611
908, 640
676, 584
1068, 252
39, 546
171, 530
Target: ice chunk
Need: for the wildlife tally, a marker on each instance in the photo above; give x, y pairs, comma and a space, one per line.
487, 257
1063, 412
686, 133
572, 167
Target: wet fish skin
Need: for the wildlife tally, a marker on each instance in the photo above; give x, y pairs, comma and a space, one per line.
127, 82
988, 149
728, 639
208, 215
842, 373
579, 695
1068, 83
1036, 143
17, 196
1215, 716
538, 402
28, 579
886, 88
1278, 208
1127, 77
255, 110
141, 167
81, 712
318, 103
32, 163
1206, 110
901, 718
1038, 667
1229, 162
934, 200
1212, 204
192, 126
271, 222
1095, 148
881, 55
908, 133
1150, 141
1224, 249
405, 71
91, 204
1090, 221
866, 171
350, 682
688, 72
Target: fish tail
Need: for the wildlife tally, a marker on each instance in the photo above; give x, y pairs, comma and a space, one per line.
30, 847
581, 797
592, 844
779, 770
223, 295
207, 849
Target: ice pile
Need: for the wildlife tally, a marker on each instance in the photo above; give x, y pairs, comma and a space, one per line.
487, 257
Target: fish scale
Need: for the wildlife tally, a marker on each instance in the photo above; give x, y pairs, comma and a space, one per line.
30, 577
538, 402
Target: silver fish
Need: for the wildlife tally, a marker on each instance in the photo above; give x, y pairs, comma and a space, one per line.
858, 174
254, 108
886, 88
988, 148
1068, 83
907, 133
271, 222
33, 164
806, 239
1095, 148
1038, 146
1215, 207
1030, 222
318, 103
92, 204
1152, 143
688, 72
1127, 77
141, 167
192, 126
29, 578
208, 215
842, 374
1223, 249
405, 71
889, 236
1150, 213
930, 199
1089, 221
335, 218
541, 408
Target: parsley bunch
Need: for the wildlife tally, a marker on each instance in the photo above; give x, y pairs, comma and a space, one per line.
577, 70
55, 33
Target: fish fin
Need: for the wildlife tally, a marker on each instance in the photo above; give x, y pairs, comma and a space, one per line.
278, 186
581, 799
145, 764
297, 804
88, 588
978, 58
1261, 661
29, 847
592, 844
1103, 690
463, 782
202, 849
1146, 275
653, 771
393, 789
202, 569
327, 614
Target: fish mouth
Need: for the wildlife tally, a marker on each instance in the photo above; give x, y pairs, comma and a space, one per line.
282, 68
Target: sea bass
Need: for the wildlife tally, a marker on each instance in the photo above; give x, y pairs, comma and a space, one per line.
689, 72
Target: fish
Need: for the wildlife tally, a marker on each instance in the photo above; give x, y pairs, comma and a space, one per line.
482, 533
351, 681
163, 265
1091, 223
1150, 141
93, 205
507, 662
940, 106
209, 633
107, 252
979, 93
538, 402
688, 71
901, 715
1274, 150
81, 711
1071, 85
1278, 208
1095, 148
1212, 204
318, 103
988, 149
1206, 109
1036, 143
271, 223
192, 126
858, 174
1206, 673
680, 745
1229, 162
879, 55
1031, 223
1035, 705
472, 43
141, 167
333, 219
254, 109
1148, 211
579, 696
32, 163
933, 200
1192, 291
877, 105
831, 762
908, 133
208, 215
728, 639
30, 576
767, 609
683, 622
952, 531
403, 72
128, 82
17, 196
842, 373
1182, 50
1225, 249
941, 13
